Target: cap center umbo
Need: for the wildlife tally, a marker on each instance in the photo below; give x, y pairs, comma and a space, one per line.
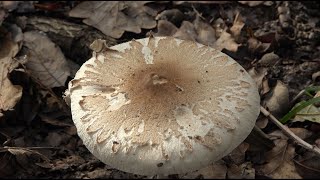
158, 80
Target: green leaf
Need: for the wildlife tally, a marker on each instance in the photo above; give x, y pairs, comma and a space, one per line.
298, 108
309, 90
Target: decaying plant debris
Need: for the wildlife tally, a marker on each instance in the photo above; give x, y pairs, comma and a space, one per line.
42, 45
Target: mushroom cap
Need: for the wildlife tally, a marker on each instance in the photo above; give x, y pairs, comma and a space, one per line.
161, 105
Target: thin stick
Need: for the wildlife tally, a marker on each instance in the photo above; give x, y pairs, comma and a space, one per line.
289, 132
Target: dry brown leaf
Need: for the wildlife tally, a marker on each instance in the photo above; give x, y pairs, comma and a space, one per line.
243, 171
8, 165
257, 46
205, 33
277, 101
279, 162
237, 26
9, 94
113, 18
186, 32
308, 166
23, 153
237, 156
269, 59
9, 5
46, 62
255, 3
218, 170
74, 67
201, 2
2, 15
301, 132
259, 76
99, 173
6, 6
262, 122
53, 121
166, 28
173, 15
198, 31
54, 139
226, 41
219, 26
316, 76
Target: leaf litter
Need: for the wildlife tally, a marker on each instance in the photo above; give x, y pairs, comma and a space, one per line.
276, 42
9, 94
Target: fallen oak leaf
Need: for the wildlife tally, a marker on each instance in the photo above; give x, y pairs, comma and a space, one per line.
113, 18
45, 62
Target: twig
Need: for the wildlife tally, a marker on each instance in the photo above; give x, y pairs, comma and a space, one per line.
5, 148
289, 132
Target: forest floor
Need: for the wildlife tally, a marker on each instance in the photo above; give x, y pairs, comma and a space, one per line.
43, 44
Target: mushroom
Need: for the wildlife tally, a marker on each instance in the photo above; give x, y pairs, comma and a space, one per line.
160, 105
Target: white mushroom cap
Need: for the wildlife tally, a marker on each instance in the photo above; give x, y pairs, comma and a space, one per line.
162, 105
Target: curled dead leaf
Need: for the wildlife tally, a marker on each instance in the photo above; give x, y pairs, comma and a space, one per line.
166, 28
259, 76
277, 101
173, 15
269, 59
316, 76
262, 122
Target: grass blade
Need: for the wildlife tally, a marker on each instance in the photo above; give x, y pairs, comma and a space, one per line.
295, 110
